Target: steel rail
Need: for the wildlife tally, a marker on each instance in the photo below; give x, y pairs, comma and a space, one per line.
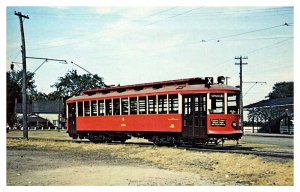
226, 149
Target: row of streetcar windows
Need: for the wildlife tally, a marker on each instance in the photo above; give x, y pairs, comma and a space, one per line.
217, 103
129, 106
156, 105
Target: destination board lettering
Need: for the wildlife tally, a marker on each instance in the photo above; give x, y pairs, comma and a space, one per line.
216, 96
218, 122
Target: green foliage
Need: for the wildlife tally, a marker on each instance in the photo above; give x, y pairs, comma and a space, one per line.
14, 83
54, 95
282, 90
72, 84
39, 96
14, 92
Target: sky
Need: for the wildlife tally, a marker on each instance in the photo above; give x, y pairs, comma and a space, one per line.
128, 45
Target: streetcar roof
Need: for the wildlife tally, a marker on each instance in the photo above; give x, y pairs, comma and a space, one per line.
165, 89
196, 80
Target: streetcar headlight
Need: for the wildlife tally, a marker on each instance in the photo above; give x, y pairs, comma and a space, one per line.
234, 124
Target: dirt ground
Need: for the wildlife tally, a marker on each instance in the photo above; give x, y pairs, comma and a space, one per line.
41, 163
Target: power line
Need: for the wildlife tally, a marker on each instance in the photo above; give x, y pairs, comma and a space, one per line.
15, 52
258, 14
254, 83
16, 56
160, 12
259, 38
173, 16
247, 32
163, 11
98, 33
269, 46
253, 51
215, 13
232, 35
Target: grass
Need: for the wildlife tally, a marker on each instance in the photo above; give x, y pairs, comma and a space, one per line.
243, 169
47, 134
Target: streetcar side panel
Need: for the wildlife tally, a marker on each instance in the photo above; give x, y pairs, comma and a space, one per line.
131, 123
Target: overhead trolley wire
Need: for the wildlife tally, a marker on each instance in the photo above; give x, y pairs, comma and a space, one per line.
179, 14
259, 38
16, 53
245, 13
247, 32
160, 12
217, 39
226, 12
268, 46
130, 21
256, 50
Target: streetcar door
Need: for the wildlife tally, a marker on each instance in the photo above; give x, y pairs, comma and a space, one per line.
194, 116
72, 118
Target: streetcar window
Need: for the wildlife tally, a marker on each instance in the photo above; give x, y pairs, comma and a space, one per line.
232, 105
94, 108
71, 110
124, 103
142, 105
108, 107
152, 104
217, 103
173, 103
187, 105
86, 108
196, 105
162, 104
80, 108
203, 105
101, 107
133, 106
116, 103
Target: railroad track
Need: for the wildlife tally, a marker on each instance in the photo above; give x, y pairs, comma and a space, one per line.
246, 151
226, 149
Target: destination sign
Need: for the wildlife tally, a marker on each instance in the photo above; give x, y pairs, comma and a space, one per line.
216, 96
218, 122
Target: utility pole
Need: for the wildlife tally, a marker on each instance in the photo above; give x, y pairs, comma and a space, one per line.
240, 63
24, 99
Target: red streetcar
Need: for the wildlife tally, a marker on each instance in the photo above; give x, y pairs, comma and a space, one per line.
186, 110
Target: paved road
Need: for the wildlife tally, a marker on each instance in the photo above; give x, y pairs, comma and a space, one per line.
283, 141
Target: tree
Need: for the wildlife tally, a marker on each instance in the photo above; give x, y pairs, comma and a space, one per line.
39, 96
72, 84
54, 95
14, 92
282, 90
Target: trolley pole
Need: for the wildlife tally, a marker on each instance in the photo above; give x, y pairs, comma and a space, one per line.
226, 80
24, 96
240, 58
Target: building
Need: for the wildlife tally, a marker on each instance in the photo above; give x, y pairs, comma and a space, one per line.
43, 114
273, 115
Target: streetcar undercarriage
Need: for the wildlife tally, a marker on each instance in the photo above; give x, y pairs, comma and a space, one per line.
174, 139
